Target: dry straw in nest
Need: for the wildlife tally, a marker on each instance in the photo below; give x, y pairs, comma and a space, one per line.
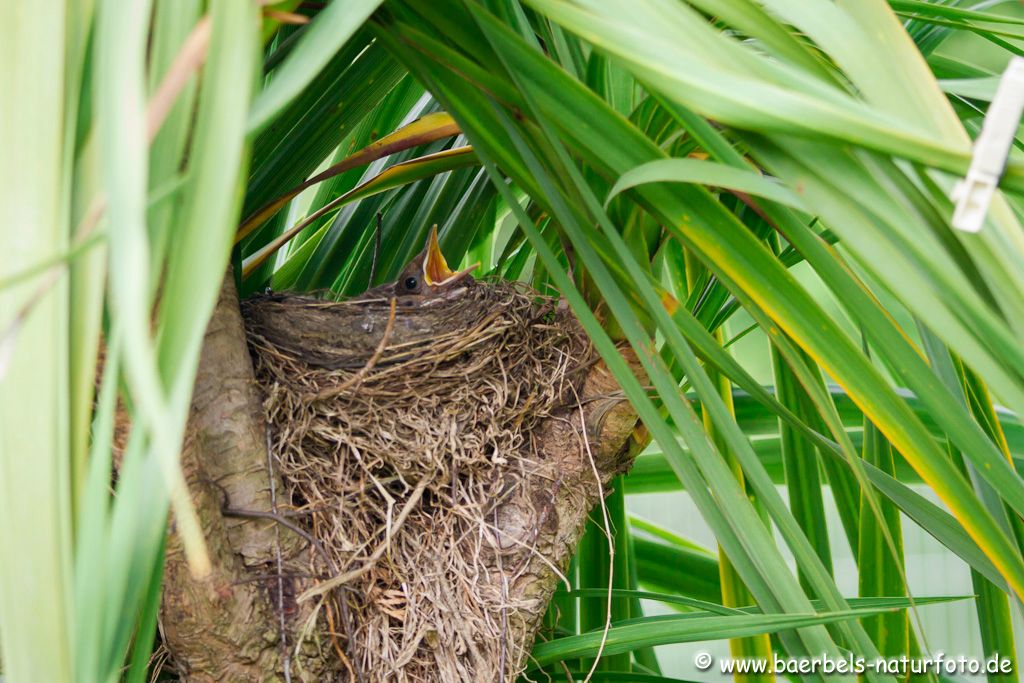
400, 452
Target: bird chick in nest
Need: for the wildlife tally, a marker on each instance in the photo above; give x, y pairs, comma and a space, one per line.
427, 277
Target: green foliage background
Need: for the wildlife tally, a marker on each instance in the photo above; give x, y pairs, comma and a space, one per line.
669, 167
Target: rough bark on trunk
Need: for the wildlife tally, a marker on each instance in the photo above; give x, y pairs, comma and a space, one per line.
222, 629
228, 627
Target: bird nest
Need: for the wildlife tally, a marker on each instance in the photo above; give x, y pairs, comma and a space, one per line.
408, 438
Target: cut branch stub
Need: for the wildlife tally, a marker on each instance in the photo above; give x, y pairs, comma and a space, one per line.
437, 456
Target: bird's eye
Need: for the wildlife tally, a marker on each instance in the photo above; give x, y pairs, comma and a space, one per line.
411, 283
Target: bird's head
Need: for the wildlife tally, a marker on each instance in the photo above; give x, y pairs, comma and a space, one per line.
428, 273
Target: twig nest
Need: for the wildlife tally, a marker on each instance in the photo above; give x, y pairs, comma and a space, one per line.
411, 442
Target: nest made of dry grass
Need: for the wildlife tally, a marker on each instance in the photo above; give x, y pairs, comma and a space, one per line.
397, 466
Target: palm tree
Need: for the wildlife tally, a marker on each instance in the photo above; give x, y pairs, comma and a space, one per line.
684, 174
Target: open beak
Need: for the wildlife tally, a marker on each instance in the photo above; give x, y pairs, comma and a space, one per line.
435, 269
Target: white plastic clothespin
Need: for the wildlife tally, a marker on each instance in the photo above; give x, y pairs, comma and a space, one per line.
973, 194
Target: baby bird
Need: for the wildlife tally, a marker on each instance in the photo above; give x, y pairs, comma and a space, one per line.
426, 276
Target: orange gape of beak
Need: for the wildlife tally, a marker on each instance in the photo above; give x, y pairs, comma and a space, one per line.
436, 272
